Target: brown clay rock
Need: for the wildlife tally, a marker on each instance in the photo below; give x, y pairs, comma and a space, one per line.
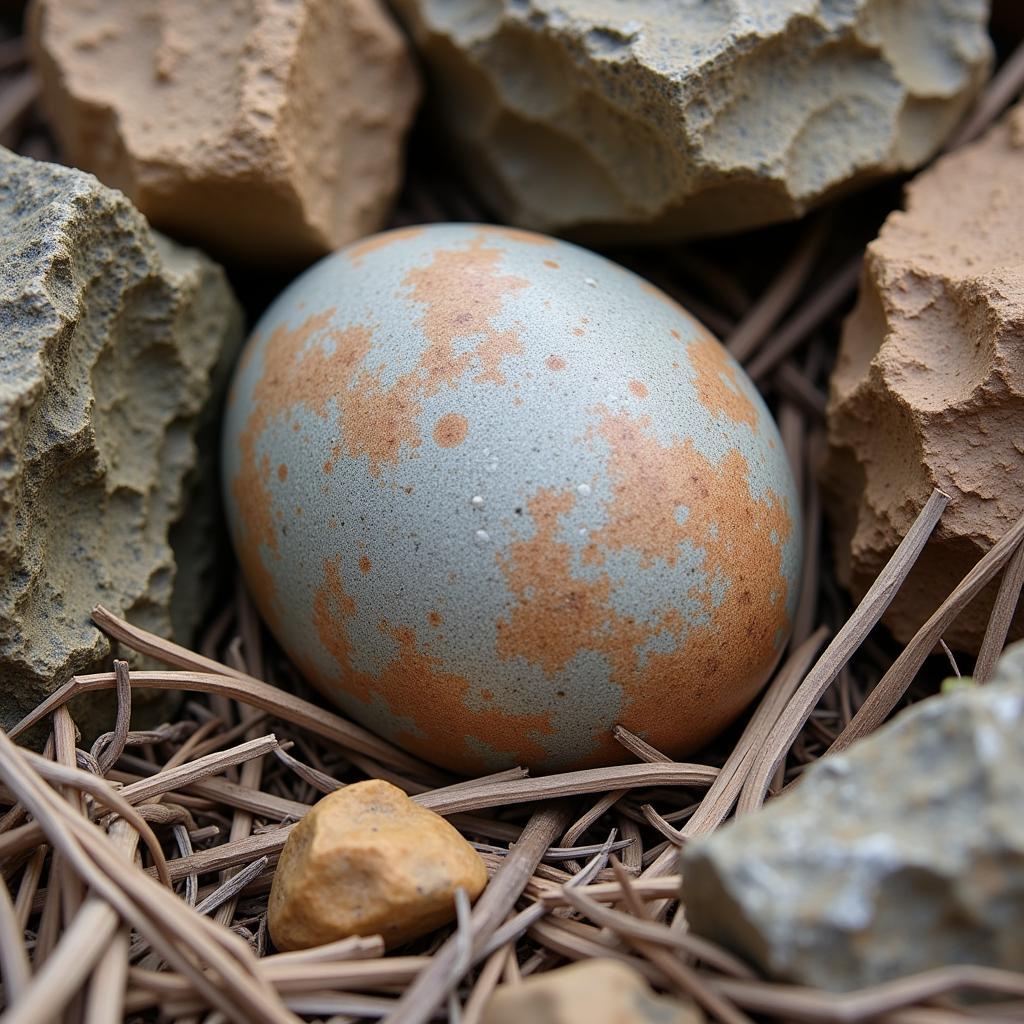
928, 390
268, 132
596, 991
115, 345
366, 860
674, 118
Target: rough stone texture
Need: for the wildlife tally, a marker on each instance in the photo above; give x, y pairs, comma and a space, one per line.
366, 860
928, 390
115, 343
672, 118
587, 992
903, 854
267, 132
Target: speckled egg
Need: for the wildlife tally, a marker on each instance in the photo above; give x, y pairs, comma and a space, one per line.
495, 494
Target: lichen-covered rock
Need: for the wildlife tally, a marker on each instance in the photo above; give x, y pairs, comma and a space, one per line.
115, 344
366, 860
673, 118
268, 132
596, 991
928, 390
903, 854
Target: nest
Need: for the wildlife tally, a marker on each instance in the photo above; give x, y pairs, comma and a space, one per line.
137, 872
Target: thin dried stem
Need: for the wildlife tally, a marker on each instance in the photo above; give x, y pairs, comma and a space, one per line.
999, 621
846, 642
894, 684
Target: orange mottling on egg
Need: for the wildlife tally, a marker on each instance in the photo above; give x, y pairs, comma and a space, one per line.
451, 430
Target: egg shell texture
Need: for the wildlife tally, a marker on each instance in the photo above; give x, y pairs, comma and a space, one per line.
495, 494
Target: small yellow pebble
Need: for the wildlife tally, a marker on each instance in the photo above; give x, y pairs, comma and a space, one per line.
366, 860
599, 991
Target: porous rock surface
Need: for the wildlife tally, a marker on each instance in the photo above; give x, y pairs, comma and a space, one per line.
928, 390
115, 344
366, 860
903, 854
597, 991
267, 132
674, 118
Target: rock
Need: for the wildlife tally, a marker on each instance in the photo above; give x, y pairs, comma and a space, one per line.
270, 133
116, 343
672, 119
928, 390
366, 860
587, 992
903, 854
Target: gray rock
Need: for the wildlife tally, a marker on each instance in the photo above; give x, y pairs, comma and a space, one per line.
116, 344
674, 118
903, 854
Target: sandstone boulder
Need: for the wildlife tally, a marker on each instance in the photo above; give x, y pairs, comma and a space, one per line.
674, 118
903, 854
928, 390
587, 992
366, 860
267, 132
116, 343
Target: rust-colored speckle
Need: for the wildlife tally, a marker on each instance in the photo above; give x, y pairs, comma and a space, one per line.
328, 467
277, 391
718, 388
578, 331
356, 253
365, 565
638, 388
675, 334
518, 235
413, 685
559, 615
556, 614
436, 619
552, 264
451, 430
555, 363
462, 291
282, 472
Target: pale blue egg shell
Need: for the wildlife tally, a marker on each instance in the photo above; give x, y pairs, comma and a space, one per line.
494, 494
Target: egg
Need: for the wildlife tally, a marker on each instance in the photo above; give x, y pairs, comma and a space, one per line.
495, 494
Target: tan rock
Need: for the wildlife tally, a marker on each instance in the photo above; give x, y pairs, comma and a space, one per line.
366, 860
268, 132
928, 390
673, 118
116, 345
587, 992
